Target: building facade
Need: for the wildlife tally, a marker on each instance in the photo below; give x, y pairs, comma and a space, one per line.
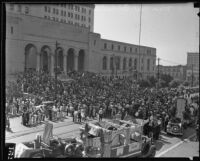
192, 68
31, 43
178, 72
76, 14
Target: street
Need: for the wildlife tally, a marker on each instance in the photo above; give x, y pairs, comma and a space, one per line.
166, 146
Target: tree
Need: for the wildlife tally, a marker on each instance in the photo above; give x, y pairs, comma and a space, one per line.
166, 79
152, 81
144, 83
186, 83
174, 83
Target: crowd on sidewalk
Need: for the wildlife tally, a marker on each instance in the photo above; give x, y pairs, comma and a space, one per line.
89, 95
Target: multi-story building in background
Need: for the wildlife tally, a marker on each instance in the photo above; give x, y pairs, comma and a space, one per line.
77, 14
31, 39
192, 73
178, 72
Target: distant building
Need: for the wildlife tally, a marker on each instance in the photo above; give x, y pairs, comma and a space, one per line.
192, 67
76, 14
30, 43
178, 72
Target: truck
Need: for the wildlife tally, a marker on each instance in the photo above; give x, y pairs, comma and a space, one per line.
116, 138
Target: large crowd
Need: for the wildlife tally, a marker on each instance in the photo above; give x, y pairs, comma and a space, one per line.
89, 95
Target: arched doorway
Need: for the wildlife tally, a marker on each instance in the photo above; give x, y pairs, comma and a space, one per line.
30, 57
60, 58
81, 60
45, 58
70, 60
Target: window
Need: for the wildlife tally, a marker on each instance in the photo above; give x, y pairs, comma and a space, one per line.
57, 12
130, 49
119, 47
45, 8
105, 45
89, 20
89, 12
26, 10
81, 18
130, 62
135, 50
104, 63
11, 29
124, 64
11, 7
49, 9
118, 63
148, 64
65, 13
94, 41
78, 17
54, 10
112, 46
135, 64
61, 13
45, 17
111, 63
68, 14
125, 48
71, 15
53, 18
19, 8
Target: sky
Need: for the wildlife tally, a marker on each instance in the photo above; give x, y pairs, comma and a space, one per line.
173, 29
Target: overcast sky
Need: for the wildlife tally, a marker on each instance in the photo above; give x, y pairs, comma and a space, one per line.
173, 29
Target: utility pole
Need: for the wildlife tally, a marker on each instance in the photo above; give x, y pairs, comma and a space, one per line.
158, 71
56, 70
139, 40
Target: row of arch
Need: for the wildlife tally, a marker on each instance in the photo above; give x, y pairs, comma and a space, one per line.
47, 61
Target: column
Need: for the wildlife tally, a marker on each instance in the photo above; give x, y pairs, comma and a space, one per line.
52, 65
38, 62
121, 64
76, 60
65, 63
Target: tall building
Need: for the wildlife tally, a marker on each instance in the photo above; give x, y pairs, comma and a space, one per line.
178, 72
192, 67
77, 14
31, 43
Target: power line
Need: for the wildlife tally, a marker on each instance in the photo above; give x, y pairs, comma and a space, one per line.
169, 61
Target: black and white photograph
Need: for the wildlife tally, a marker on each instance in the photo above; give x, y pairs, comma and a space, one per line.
89, 80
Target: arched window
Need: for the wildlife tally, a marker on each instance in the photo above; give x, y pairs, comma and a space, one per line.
104, 63
111, 63
124, 64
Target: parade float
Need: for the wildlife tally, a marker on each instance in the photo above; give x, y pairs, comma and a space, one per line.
49, 146
116, 139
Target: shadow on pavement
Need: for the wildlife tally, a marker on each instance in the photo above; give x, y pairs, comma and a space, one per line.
159, 143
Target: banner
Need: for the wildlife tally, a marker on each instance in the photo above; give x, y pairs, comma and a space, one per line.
48, 132
20, 148
181, 103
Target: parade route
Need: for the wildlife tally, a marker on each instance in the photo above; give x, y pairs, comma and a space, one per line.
165, 146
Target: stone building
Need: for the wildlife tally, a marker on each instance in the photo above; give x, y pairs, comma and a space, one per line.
31, 43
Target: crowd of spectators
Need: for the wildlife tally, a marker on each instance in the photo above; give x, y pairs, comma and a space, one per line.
90, 95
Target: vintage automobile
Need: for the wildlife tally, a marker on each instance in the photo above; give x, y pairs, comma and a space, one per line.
116, 139
175, 127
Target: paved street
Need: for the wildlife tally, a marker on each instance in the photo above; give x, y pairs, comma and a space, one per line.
167, 145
